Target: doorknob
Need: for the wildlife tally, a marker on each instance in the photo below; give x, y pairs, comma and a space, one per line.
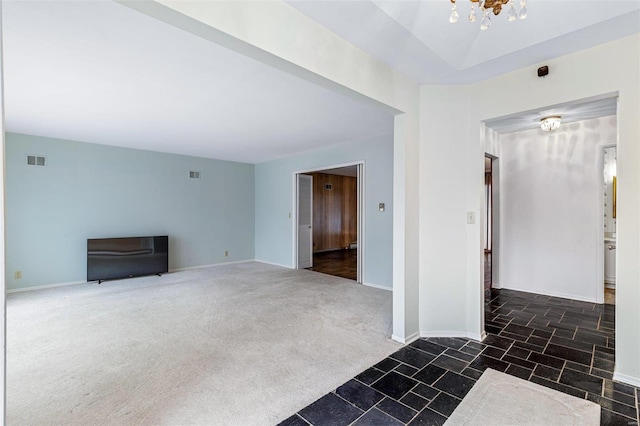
309, 226
612, 247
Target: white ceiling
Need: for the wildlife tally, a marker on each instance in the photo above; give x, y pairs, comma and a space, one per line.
100, 72
416, 38
569, 112
97, 71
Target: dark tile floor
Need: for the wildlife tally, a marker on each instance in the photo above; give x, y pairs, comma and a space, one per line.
559, 343
339, 263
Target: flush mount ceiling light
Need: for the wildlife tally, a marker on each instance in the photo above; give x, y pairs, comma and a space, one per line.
487, 6
551, 123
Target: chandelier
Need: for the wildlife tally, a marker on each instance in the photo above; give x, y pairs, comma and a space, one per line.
549, 124
488, 6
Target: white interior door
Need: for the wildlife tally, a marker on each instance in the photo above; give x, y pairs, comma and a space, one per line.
305, 221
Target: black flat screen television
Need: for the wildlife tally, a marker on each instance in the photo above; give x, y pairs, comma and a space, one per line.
113, 258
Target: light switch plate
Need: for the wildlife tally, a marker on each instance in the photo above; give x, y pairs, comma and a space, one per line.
471, 218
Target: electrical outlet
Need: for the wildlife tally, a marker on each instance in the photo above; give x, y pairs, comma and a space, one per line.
18, 275
226, 253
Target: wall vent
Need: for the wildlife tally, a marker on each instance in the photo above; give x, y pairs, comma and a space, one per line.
194, 175
35, 160
328, 186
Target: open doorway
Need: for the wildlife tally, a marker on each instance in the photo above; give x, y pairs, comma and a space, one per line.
549, 231
488, 224
609, 217
329, 221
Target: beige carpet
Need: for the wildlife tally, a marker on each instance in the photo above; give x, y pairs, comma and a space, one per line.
246, 344
499, 399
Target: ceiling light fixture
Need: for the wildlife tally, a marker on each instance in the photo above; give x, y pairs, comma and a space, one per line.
551, 123
487, 6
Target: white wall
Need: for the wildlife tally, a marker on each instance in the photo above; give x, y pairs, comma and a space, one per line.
549, 228
452, 150
3, 315
263, 31
275, 200
492, 146
447, 160
88, 190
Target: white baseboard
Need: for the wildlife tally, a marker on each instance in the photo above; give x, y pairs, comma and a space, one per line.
630, 380
381, 287
463, 334
43, 287
189, 268
554, 294
406, 340
273, 264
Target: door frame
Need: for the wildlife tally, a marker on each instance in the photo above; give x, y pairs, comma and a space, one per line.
298, 178
360, 183
600, 217
495, 248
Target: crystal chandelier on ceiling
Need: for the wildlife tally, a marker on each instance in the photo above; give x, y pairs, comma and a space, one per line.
549, 124
488, 6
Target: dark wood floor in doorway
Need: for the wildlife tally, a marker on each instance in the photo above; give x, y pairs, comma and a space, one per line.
339, 263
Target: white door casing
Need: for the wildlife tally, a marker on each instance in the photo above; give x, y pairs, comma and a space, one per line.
305, 221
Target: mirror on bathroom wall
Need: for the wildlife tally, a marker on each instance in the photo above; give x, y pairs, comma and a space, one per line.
610, 191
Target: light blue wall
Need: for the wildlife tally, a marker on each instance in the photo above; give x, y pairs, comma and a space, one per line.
92, 191
274, 202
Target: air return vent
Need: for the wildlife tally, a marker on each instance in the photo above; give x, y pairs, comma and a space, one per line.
35, 160
194, 175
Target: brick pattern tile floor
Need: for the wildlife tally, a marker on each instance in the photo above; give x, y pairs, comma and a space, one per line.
559, 343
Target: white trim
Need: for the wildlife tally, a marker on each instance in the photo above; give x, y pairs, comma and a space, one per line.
405, 341
189, 268
274, 264
630, 380
362, 219
599, 231
463, 334
294, 222
554, 294
43, 287
327, 167
296, 198
381, 287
